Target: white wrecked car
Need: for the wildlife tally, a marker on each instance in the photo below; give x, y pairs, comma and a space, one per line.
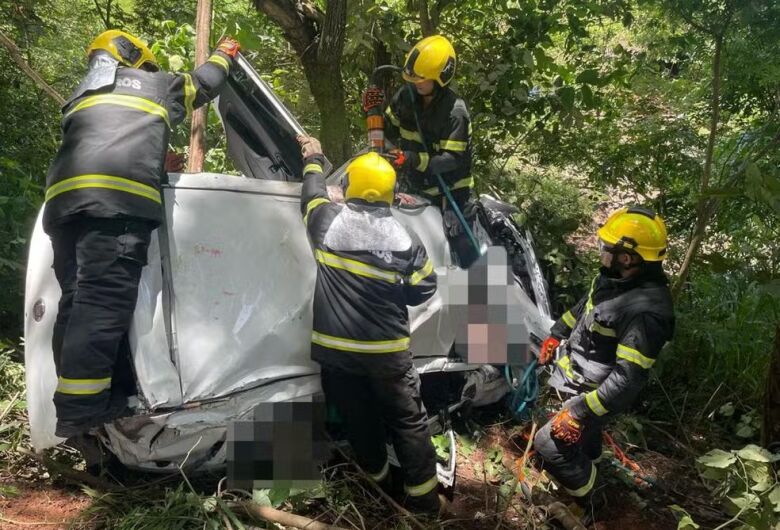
223, 320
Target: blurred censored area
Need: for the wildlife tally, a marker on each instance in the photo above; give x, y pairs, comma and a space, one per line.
486, 312
283, 445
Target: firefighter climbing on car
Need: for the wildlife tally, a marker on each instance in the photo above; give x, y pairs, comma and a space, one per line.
430, 128
103, 200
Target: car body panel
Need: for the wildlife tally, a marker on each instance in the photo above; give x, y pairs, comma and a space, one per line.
223, 319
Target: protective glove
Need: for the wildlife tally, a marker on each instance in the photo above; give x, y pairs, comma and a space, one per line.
373, 98
403, 160
229, 46
174, 162
310, 146
565, 428
547, 351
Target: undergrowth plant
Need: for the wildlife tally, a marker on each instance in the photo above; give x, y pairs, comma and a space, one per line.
13, 405
723, 338
746, 484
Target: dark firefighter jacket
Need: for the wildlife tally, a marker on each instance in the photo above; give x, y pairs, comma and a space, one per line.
446, 129
369, 268
615, 334
114, 141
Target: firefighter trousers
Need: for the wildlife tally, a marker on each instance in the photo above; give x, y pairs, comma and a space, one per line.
460, 243
98, 265
372, 408
572, 465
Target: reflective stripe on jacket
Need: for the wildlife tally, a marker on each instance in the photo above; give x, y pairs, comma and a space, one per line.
114, 141
446, 126
614, 336
369, 269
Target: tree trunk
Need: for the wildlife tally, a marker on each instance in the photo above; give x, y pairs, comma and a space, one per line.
328, 91
426, 23
198, 131
318, 39
16, 55
771, 430
702, 209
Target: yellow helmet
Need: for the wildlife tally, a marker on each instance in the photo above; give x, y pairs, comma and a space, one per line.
125, 48
433, 58
638, 230
371, 178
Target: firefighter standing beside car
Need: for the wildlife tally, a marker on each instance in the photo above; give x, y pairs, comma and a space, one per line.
429, 106
369, 269
613, 336
103, 200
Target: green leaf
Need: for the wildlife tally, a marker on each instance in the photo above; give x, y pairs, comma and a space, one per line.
685, 521
589, 77
717, 458
755, 453
760, 476
727, 410
587, 96
277, 496
261, 497
567, 96
465, 446
442, 444
745, 431
715, 474
175, 62
9, 491
528, 58
774, 498
496, 454
745, 502
752, 173
209, 503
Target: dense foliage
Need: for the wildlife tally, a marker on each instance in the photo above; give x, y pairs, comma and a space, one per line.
578, 106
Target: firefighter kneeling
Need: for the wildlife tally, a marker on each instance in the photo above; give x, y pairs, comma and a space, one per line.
612, 338
369, 269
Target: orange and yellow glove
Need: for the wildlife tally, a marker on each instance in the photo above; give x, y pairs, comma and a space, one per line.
565, 428
547, 351
229, 46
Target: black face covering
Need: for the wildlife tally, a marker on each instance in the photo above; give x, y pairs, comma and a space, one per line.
616, 269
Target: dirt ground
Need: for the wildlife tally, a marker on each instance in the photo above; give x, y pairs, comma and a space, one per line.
30, 499
39, 505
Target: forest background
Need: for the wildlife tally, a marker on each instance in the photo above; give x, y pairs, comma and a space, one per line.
578, 106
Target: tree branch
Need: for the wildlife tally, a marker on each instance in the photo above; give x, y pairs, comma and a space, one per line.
287, 519
702, 219
16, 55
311, 10
293, 24
691, 22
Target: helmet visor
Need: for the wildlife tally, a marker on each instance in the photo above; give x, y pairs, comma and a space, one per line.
606, 247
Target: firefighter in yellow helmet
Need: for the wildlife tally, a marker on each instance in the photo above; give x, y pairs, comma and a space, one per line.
603, 348
103, 200
369, 269
430, 126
